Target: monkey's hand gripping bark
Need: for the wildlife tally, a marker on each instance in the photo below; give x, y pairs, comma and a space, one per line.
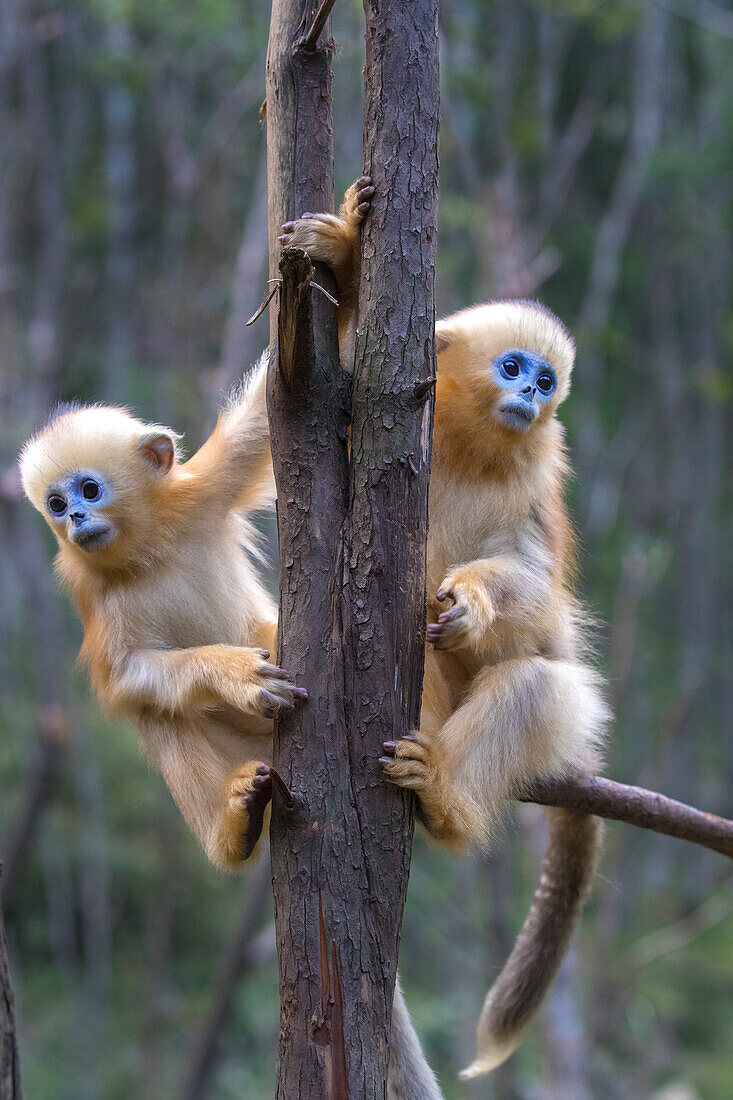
212, 675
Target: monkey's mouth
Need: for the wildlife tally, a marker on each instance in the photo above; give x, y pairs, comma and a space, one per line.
517, 416
92, 538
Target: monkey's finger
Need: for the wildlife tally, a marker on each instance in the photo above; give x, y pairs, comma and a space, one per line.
275, 672
447, 616
435, 631
299, 693
403, 779
269, 699
444, 594
363, 181
288, 227
264, 653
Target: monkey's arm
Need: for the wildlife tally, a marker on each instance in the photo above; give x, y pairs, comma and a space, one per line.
171, 680
335, 240
505, 588
234, 466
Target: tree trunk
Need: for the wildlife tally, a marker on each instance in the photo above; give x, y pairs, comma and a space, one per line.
9, 1062
352, 588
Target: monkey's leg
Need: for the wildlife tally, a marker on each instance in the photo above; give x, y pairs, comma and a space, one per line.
521, 719
223, 802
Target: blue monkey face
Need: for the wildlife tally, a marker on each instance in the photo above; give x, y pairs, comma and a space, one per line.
526, 383
74, 504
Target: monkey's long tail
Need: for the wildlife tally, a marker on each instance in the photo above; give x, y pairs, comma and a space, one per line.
570, 860
410, 1076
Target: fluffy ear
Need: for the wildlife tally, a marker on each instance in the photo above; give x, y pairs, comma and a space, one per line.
158, 448
443, 339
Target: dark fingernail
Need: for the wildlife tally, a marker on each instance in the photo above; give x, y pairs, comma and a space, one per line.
390, 745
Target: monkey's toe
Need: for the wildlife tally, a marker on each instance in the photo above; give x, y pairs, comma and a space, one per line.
248, 801
406, 762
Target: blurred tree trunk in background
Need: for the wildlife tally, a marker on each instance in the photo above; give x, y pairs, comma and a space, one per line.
9, 1060
121, 201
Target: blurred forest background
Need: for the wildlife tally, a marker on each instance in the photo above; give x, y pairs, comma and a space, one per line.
587, 158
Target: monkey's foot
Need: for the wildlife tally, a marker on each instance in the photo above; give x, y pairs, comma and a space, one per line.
408, 763
411, 763
249, 796
328, 237
358, 199
467, 621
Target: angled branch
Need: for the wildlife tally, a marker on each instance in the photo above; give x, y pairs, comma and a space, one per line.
310, 40
636, 806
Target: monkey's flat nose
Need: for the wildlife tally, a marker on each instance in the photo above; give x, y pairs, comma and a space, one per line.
528, 389
77, 517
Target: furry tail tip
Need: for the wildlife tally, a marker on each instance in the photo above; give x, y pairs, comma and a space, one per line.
493, 1053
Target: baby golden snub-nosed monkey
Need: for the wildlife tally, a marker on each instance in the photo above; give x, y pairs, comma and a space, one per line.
157, 554
510, 693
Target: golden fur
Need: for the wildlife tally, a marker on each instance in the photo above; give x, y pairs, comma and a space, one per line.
509, 692
176, 621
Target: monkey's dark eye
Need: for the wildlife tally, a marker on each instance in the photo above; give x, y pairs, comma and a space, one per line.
90, 489
545, 382
511, 367
56, 505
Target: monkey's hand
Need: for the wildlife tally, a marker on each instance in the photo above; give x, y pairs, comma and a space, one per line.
247, 796
466, 623
411, 763
245, 679
328, 237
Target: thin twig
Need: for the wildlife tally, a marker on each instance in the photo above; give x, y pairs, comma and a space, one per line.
264, 303
314, 33
636, 806
324, 291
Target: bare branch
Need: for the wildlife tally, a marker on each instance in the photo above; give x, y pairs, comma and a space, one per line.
636, 806
314, 33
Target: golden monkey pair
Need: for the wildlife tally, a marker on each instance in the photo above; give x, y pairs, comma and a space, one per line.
178, 628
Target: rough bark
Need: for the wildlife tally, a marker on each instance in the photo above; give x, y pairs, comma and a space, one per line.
352, 590
9, 1061
636, 806
312, 864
